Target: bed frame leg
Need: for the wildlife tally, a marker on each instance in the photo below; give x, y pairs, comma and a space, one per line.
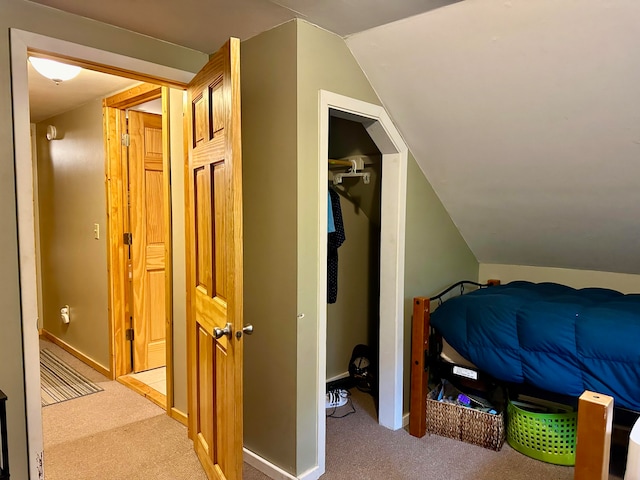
419, 371
593, 442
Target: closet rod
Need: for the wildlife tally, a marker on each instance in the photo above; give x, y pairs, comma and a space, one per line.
346, 163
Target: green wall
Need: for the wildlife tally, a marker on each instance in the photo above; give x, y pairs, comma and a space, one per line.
179, 269
436, 255
268, 73
278, 177
72, 198
30, 17
325, 62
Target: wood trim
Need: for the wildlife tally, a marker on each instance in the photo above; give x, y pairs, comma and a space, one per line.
133, 96
120, 294
124, 354
76, 353
593, 438
116, 259
111, 70
190, 270
168, 243
419, 371
237, 314
145, 390
179, 416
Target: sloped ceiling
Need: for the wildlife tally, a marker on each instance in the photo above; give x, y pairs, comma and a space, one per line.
204, 25
524, 115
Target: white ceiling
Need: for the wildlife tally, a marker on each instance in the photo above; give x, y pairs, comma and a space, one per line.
524, 115
47, 99
204, 25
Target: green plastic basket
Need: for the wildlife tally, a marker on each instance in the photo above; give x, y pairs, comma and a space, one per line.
550, 437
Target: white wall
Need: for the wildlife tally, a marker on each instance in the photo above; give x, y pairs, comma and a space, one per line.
622, 282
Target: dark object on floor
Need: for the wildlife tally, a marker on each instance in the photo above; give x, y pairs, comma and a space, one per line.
360, 368
4, 460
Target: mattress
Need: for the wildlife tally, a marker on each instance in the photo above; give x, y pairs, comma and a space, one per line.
551, 336
451, 355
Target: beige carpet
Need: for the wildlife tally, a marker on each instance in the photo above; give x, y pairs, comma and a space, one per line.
358, 448
117, 434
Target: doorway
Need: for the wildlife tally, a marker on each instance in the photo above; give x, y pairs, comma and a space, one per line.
393, 210
136, 133
353, 301
20, 42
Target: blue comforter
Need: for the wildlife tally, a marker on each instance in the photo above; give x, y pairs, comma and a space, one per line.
552, 336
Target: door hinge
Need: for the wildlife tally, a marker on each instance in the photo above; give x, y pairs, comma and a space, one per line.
126, 140
127, 238
129, 334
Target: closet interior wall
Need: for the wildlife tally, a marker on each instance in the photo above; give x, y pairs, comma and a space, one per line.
354, 318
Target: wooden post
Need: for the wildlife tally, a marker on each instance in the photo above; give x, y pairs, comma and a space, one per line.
593, 443
419, 372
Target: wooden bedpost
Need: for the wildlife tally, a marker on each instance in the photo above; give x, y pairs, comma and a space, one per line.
419, 371
593, 440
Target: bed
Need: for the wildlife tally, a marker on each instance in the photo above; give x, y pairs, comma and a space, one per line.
551, 338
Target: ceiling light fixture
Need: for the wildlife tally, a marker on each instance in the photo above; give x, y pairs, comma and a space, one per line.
56, 71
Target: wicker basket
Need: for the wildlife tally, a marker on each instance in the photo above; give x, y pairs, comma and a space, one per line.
466, 424
550, 437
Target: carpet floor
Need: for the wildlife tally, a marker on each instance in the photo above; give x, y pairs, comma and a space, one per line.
117, 434
359, 448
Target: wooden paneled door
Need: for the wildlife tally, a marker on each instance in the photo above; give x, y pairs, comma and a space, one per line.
214, 264
146, 217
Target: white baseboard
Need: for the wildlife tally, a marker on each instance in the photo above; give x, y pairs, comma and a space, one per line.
268, 468
311, 474
405, 420
338, 377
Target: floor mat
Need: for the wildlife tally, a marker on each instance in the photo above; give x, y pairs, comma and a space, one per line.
60, 382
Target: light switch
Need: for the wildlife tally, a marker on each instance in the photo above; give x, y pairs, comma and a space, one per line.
96, 231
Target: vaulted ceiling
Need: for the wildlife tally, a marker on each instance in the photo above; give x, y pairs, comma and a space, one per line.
524, 115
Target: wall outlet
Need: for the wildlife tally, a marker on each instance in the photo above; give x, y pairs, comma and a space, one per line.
96, 231
65, 314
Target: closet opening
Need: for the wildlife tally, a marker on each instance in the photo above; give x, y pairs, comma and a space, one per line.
388, 289
353, 264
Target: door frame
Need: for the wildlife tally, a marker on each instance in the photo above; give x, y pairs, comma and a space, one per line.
96, 59
392, 246
114, 111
